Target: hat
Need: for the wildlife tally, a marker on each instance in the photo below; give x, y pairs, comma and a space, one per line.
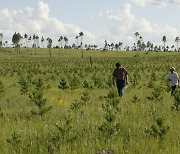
172, 69
118, 64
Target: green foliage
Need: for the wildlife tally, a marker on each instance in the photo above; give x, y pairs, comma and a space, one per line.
39, 84
109, 81
2, 90
150, 84
66, 127
97, 81
135, 80
112, 101
159, 129
36, 97
75, 105
1, 113
1, 87
24, 86
109, 126
85, 84
156, 94
63, 133
112, 94
153, 76
15, 141
74, 83
135, 99
85, 96
176, 105
89, 116
63, 84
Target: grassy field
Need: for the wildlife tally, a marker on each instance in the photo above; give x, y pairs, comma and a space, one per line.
67, 104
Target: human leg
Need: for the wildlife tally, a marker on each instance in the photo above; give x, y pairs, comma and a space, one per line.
120, 86
173, 88
121, 92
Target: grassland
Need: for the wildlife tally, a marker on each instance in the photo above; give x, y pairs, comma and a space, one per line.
67, 104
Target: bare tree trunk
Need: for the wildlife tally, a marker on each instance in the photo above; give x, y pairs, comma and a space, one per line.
19, 49
50, 52
35, 51
82, 53
90, 60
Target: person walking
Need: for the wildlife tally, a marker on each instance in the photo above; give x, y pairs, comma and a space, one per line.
120, 74
174, 80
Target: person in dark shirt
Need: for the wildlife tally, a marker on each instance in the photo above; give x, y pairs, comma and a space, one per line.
120, 74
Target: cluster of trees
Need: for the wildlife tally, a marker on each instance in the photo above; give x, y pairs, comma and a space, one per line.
34, 42
140, 45
17, 42
1, 39
112, 46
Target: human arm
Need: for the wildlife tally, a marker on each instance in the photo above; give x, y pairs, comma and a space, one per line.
126, 76
113, 78
169, 78
126, 79
178, 80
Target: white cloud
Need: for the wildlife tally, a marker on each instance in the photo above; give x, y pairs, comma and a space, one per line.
37, 21
117, 26
158, 3
122, 26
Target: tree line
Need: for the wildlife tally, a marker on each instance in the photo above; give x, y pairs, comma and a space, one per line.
35, 41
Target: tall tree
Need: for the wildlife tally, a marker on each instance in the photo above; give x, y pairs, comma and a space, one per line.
152, 47
77, 40
16, 38
42, 41
26, 37
112, 46
105, 45
120, 45
164, 41
30, 43
172, 48
177, 40
59, 43
138, 42
66, 43
81, 34
49, 45
73, 46
116, 46
60, 40
1, 40
36, 42
6, 42
137, 38
148, 45
29, 40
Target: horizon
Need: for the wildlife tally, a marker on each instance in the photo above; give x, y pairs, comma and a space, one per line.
99, 21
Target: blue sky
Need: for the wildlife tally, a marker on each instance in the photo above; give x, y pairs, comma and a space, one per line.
112, 20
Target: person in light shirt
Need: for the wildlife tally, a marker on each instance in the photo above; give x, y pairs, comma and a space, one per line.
174, 80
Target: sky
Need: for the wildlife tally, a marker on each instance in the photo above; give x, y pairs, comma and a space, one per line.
111, 20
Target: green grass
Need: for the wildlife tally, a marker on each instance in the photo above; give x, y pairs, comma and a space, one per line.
76, 126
